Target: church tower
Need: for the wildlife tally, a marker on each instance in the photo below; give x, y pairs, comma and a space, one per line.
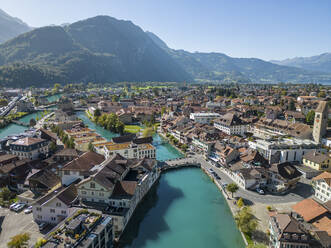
320, 121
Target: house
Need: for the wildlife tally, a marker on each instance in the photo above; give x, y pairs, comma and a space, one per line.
231, 124
42, 181
282, 177
31, 148
294, 116
55, 206
317, 161
117, 186
7, 158
80, 167
310, 210
322, 186
286, 231
14, 174
224, 153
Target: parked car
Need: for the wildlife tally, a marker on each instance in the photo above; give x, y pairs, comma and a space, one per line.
260, 191
211, 170
19, 207
217, 177
42, 226
11, 207
28, 210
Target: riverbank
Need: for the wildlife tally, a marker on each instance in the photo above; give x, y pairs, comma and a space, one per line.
164, 137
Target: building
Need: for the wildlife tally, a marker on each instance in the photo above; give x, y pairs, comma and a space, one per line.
129, 147
31, 148
231, 124
80, 167
317, 161
283, 150
117, 186
310, 210
322, 186
320, 121
285, 231
55, 206
204, 118
84, 229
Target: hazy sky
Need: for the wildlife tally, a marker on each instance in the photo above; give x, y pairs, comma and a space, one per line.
267, 29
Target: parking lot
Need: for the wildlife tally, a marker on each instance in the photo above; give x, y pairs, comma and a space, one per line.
13, 223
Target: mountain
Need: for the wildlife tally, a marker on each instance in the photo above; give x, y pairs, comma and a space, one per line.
100, 49
10, 27
206, 67
320, 62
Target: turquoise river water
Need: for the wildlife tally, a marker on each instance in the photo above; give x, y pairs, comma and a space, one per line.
184, 209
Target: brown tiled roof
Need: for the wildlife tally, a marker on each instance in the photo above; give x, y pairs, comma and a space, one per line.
45, 177
326, 176
27, 141
124, 189
67, 152
85, 162
323, 224
309, 209
316, 157
7, 157
65, 194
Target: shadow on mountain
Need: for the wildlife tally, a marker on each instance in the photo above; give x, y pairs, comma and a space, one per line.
148, 219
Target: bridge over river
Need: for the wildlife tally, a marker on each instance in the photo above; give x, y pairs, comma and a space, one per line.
180, 163
20, 123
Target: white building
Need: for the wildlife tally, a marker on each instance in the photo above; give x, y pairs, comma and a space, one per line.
54, 206
322, 186
231, 124
204, 118
31, 148
130, 150
284, 149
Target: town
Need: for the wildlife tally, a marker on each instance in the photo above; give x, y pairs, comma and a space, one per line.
78, 162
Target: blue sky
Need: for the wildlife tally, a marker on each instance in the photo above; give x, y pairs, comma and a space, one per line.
266, 29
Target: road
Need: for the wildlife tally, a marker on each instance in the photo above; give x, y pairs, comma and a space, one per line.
302, 191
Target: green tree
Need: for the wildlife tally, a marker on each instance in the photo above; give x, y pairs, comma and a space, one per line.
19, 241
97, 112
240, 203
90, 147
232, 188
163, 110
246, 221
52, 146
321, 94
310, 117
40, 242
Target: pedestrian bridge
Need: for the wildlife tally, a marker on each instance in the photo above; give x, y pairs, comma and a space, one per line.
180, 163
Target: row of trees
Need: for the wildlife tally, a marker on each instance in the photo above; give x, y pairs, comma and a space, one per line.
110, 121
68, 142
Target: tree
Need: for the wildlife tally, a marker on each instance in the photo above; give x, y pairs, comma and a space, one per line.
163, 110
232, 187
97, 112
52, 146
90, 147
292, 105
19, 241
240, 203
246, 221
321, 94
40, 242
32, 122
310, 117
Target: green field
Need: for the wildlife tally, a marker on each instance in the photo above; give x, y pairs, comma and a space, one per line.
132, 129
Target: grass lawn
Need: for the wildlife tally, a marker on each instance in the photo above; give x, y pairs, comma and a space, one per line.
132, 129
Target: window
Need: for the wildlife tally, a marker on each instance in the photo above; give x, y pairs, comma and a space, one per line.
63, 212
53, 218
38, 209
66, 172
84, 192
101, 194
52, 210
92, 185
58, 204
39, 217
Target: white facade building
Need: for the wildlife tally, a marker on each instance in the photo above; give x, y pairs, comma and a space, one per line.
203, 118
322, 186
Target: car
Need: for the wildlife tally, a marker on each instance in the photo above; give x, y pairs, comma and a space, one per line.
19, 207
260, 191
211, 170
11, 207
42, 226
224, 185
28, 210
217, 177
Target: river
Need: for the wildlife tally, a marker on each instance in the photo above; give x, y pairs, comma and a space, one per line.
185, 209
